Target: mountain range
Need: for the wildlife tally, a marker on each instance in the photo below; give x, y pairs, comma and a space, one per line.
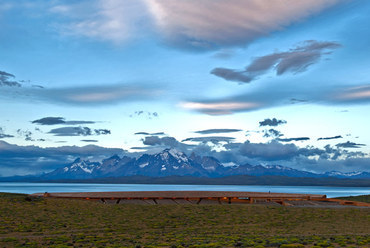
171, 162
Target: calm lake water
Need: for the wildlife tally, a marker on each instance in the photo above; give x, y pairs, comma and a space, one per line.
29, 188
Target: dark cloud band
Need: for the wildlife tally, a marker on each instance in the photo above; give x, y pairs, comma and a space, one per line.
59, 120
78, 131
215, 131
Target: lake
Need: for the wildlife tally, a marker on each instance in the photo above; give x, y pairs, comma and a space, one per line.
29, 188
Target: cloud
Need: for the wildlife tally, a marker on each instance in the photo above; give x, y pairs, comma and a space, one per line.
232, 75
59, 120
222, 130
272, 133
224, 54
26, 134
270, 96
101, 131
89, 140
7, 79
95, 95
293, 139
308, 158
351, 95
212, 139
106, 20
78, 131
272, 122
147, 114
155, 140
269, 151
331, 138
24, 160
139, 148
222, 107
208, 24
295, 60
156, 144
145, 133
88, 95
349, 144
4, 135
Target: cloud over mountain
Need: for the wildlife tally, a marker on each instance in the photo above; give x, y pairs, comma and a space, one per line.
21, 160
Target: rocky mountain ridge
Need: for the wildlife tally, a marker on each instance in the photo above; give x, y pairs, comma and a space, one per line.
171, 162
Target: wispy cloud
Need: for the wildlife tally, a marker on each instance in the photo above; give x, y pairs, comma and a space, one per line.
90, 95
26, 134
107, 20
349, 144
281, 95
86, 95
295, 60
7, 79
208, 24
147, 114
220, 107
212, 139
272, 133
352, 94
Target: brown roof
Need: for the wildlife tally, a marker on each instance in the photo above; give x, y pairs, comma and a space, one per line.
178, 194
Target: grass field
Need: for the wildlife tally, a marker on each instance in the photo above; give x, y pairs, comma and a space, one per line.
361, 198
76, 223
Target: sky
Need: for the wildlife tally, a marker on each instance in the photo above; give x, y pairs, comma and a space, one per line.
257, 81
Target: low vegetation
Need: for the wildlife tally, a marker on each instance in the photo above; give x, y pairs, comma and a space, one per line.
31, 222
360, 198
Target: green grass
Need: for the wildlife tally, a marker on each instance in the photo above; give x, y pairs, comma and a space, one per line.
77, 223
360, 198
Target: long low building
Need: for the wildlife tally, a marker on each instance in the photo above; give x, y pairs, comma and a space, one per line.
196, 197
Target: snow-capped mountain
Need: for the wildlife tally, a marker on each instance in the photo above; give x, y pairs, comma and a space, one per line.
171, 162
167, 163
270, 170
355, 174
78, 169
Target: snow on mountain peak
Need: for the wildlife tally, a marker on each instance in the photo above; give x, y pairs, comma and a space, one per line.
81, 164
179, 156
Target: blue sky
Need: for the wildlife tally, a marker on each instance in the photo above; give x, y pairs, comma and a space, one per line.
91, 74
